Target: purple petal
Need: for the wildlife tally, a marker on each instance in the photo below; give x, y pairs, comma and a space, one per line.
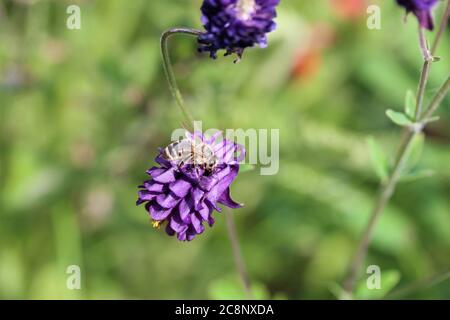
180, 188
225, 199
425, 19
163, 162
206, 183
196, 196
205, 212
177, 225
225, 151
190, 236
154, 187
166, 177
155, 171
167, 200
184, 209
211, 221
144, 196
181, 236
169, 230
215, 193
158, 213
197, 224
212, 205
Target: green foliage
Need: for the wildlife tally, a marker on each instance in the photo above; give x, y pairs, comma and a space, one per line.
389, 279
399, 118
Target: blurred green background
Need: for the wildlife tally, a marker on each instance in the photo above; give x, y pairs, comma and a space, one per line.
82, 113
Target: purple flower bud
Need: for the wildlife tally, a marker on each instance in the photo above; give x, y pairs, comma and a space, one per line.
421, 9
186, 188
234, 25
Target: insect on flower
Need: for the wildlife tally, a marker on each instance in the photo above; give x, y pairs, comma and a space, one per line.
192, 178
191, 151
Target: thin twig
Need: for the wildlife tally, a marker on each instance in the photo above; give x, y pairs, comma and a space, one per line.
411, 288
424, 45
441, 30
237, 254
437, 100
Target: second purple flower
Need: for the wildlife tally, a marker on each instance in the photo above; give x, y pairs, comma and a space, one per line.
234, 25
421, 9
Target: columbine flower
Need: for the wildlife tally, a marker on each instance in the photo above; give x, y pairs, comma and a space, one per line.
421, 9
184, 196
234, 25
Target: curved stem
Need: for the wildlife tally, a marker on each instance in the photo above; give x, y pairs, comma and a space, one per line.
168, 70
388, 189
237, 254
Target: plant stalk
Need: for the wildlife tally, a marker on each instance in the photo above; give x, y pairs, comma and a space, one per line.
168, 70
237, 254
388, 189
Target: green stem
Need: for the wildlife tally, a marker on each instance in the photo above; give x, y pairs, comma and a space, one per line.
422, 85
169, 70
237, 254
424, 284
428, 59
388, 189
437, 100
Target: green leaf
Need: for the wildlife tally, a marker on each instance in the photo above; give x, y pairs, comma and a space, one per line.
410, 104
399, 118
389, 279
417, 175
378, 159
432, 119
436, 59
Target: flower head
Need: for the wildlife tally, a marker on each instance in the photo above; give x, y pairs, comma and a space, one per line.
186, 188
421, 9
234, 25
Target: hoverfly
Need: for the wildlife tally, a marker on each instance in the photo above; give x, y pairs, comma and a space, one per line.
189, 151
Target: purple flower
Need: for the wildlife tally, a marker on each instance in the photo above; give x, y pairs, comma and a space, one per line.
421, 9
234, 25
185, 194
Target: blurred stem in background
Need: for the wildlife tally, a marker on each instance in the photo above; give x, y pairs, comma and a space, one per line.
231, 227
414, 287
169, 70
421, 119
237, 254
